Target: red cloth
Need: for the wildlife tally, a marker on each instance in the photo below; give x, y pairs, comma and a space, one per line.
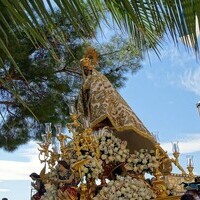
71, 190
36, 196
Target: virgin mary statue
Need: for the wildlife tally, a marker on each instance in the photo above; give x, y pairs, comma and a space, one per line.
103, 106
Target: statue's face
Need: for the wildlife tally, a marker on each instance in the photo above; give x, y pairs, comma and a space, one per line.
86, 71
61, 168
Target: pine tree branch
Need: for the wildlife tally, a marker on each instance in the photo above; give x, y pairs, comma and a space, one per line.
8, 102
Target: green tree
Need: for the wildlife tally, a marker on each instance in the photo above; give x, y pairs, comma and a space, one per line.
47, 81
144, 20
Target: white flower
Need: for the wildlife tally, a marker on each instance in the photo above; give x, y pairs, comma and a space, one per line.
85, 170
143, 161
110, 151
113, 189
110, 158
126, 188
103, 157
124, 155
142, 150
120, 152
141, 167
118, 157
153, 158
152, 151
118, 193
135, 160
142, 155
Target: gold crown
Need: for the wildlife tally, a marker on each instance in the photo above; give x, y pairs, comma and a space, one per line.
90, 58
86, 62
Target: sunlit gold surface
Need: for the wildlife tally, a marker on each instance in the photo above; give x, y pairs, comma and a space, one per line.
84, 139
158, 183
169, 198
190, 170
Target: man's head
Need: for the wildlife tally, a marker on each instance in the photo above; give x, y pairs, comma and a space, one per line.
4, 199
187, 197
34, 176
62, 165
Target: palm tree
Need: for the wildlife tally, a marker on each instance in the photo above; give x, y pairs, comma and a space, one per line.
144, 20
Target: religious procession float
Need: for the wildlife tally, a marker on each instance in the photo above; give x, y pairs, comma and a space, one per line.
108, 153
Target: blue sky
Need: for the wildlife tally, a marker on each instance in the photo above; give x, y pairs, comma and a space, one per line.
163, 94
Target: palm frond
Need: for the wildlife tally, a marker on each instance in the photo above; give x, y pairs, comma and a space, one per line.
142, 18
145, 20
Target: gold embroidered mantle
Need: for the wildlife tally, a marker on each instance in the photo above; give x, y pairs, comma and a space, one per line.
105, 106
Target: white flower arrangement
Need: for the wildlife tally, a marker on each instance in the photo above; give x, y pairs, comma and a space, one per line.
91, 169
112, 149
142, 161
126, 188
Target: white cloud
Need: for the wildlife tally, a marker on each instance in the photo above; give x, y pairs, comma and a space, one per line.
174, 56
172, 66
19, 170
4, 190
191, 80
189, 144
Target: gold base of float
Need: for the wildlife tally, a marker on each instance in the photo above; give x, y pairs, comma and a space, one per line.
170, 198
127, 127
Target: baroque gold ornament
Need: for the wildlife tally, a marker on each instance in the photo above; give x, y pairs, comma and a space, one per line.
108, 151
90, 59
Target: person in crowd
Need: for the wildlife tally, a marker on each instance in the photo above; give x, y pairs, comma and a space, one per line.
194, 193
187, 197
38, 185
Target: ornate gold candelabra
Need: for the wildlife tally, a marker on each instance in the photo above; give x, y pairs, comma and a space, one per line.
176, 154
190, 176
190, 166
44, 145
159, 185
83, 141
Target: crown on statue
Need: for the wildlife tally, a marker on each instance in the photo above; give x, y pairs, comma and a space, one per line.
86, 62
90, 59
